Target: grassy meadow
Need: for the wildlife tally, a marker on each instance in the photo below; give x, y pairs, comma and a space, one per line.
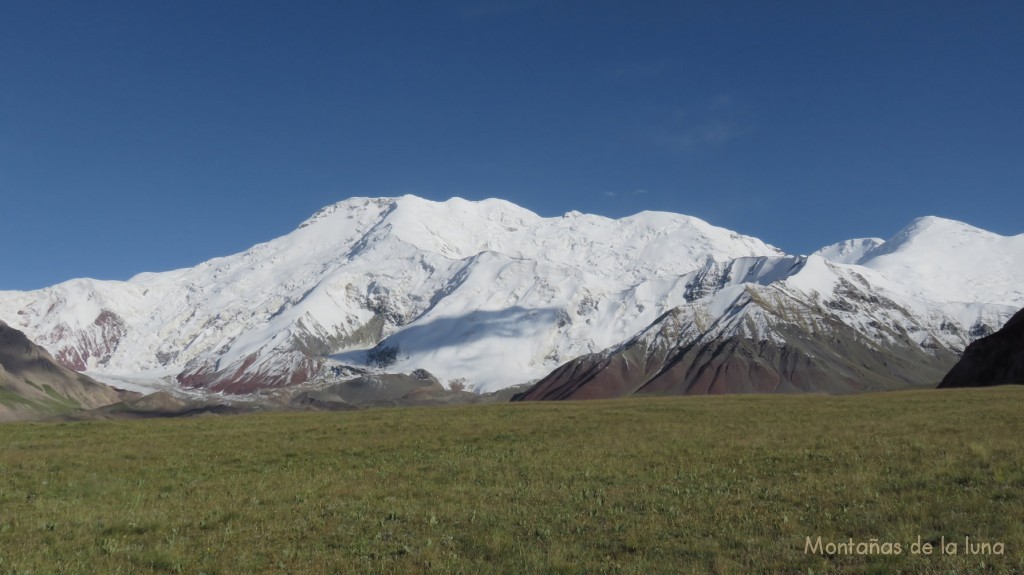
661, 485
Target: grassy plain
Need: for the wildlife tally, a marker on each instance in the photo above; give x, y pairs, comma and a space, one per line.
672, 485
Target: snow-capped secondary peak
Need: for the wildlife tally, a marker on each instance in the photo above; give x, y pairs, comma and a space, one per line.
945, 260
849, 251
933, 231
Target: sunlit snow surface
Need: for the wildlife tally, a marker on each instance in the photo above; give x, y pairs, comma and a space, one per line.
489, 292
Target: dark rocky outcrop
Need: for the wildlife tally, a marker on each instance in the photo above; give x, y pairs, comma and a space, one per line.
368, 389
321, 401
995, 359
419, 388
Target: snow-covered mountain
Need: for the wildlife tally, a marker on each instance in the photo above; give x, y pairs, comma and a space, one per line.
483, 291
491, 295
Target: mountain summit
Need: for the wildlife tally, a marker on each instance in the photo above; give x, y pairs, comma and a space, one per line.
488, 294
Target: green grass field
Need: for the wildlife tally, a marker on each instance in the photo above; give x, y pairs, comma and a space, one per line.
677, 485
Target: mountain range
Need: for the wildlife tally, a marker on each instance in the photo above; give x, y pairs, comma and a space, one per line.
486, 295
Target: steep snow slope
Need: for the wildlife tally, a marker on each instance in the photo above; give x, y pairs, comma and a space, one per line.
523, 288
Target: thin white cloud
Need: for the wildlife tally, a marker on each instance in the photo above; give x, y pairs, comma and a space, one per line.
718, 133
720, 102
711, 124
712, 134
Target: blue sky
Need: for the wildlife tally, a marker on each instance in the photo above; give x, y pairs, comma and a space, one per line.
149, 135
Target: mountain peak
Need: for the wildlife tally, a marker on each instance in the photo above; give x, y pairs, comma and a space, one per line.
347, 206
931, 220
849, 251
940, 259
935, 227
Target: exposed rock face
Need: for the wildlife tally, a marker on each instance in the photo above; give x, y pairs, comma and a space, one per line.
96, 342
285, 368
992, 360
33, 384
